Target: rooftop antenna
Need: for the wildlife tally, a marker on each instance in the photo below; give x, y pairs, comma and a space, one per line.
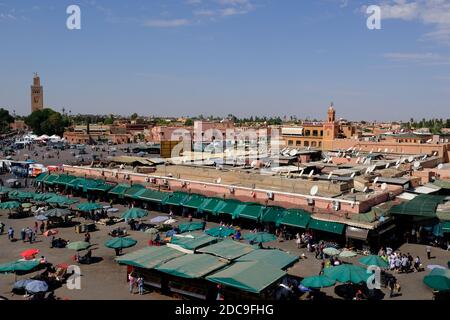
314, 190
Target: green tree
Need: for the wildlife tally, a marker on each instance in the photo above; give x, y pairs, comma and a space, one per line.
134, 116
5, 120
47, 121
189, 122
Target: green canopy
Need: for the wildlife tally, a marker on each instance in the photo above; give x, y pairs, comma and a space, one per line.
176, 199
330, 251
274, 257
446, 227
152, 195
191, 226
20, 265
273, 215
318, 282
374, 260
438, 279
260, 237
230, 207
192, 266
194, 201
132, 191
149, 257
134, 213
41, 177
49, 179
250, 276
192, 240
423, 205
78, 245
347, 273
88, 206
296, 218
220, 232
251, 211
9, 205
43, 196
64, 179
120, 242
327, 226
21, 195
119, 190
210, 205
60, 200
228, 249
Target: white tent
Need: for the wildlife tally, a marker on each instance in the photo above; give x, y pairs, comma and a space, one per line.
43, 137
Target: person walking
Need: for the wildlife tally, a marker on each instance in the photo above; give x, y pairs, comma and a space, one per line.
2, 227
10, 234
429, 252
22, 234
140, 283
87, 237
42, 227
132, 281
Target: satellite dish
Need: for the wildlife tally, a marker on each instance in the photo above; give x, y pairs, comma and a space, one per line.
411, 159
387, 165
379, 149
386, 150
339, 154
440, 166
365, 189
357, 154
424, 157
357, 159
330, 159
434, 153
397, 166
375, 180
329, 175
301, 172
384, 186
353, 175
314, 190
311, 173
293, 152
219, 180
416, 164
253, 164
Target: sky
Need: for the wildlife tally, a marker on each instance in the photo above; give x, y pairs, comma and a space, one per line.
220, 57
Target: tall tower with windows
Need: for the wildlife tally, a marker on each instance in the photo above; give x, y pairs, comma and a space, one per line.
37, 94
330, 129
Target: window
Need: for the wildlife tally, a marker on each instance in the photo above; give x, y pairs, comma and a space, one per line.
298, 143
321, 133
313, 144
320, 143
315, 133
306, 143
307, 133
290, 142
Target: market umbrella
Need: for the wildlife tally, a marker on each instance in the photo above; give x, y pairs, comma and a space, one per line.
10, 205
60, 200
438, 279
87, 206
220, 232
29, 253
21, 195
19, 265
26, 205
159, 219
57, 212
170, 221
318, 282
347, 273
330, 251
119, 243
347, 254
260, 237
43, 196
41, 217
134, 213
374, 260
36, 286
191, 226
152, 231
435, 266
78, 245
51, 232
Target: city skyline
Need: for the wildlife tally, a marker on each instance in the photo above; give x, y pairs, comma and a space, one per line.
216, 57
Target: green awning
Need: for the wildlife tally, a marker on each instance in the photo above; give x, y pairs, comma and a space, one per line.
250, 211
446, 227
192, 266
50, 179
228, 249
64, 179
423, 205
273, 257
210, 205
191, 226
149, 257
192, 241
194, 201
247, 276
41, 177
273, 215
101, 186
230, 207
176, 199
133, 191
327, 226
119, 190
296, 218
152, 195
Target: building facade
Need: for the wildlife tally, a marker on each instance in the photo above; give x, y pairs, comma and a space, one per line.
37, 94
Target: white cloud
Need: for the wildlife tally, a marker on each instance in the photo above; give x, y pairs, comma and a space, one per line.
420, 58
166, 23
434, 13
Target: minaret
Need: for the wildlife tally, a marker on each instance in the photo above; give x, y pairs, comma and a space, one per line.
37, 94
330, 129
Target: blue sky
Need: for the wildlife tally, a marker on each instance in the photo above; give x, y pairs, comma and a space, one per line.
245, 57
